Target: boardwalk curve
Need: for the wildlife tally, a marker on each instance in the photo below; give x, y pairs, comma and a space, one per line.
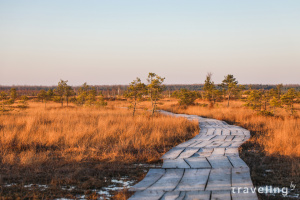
206, 167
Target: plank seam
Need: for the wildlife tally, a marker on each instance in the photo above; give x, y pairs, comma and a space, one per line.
180, 153
230, 162
207, 180
187, 163
156, 180
179, 180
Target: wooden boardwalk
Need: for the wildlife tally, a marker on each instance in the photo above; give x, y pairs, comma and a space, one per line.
205, 167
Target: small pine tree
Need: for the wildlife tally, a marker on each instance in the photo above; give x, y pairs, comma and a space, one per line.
229, 84
13, 94
60, 91
186, 97
24, 103
3, 97
91, 97
42, 95
82, 94
155, 88
288, 99
68, 93
274, 103
135, 93
209, 88
254, 100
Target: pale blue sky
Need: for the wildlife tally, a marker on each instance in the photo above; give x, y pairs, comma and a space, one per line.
112, 42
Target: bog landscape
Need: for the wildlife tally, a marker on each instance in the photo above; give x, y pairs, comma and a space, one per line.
96, 142
149, 100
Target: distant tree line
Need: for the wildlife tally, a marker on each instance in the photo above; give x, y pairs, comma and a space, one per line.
264, 99
111, 91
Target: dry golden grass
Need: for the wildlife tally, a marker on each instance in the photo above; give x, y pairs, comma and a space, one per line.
77, 133
280, 134
81, 146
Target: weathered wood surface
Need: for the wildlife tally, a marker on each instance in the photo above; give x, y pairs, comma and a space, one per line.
205, 167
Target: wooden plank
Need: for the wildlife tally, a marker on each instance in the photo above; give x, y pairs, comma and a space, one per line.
147, 195
181, 196
236, 161
224, 123
241, 178
203, 123
168, 181
231, 151
203, 152
173, 153
236, 144
196, 143
210, 131
246, 132
206, 137
211, 122
197, 195
203, 144
152, 176
232, 131
214, 144
193, 180
220, 194
219, 179
225, 144
218, 152
188, 152
187, 143
219, 138
240, 131
203, 130
176, 163
219, 123
206, 150
225, 132
198, 162
219, 162
171, 195
238, 138
244, 196
229, 138
236, 132
218, 131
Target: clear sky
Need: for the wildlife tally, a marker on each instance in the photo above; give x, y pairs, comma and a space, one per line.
112, 42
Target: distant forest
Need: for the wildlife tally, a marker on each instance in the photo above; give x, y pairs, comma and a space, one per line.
113, 90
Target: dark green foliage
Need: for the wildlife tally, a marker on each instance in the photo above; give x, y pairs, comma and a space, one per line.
254, 100
24, 104
13, 94
288, 100
135, 93
209, 88
186, 97
155, 87
229, 85
42, 95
